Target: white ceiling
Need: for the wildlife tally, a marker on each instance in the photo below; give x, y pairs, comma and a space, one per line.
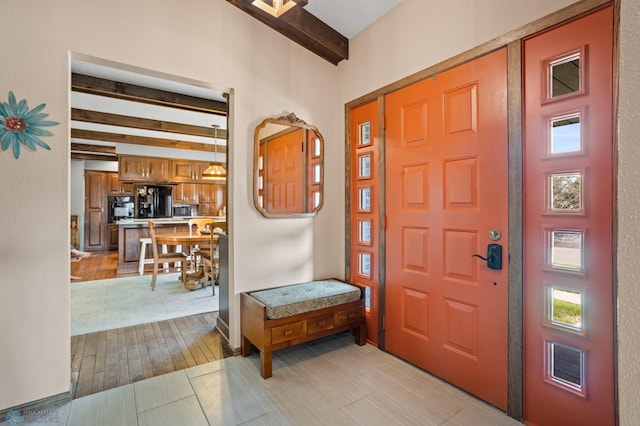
349, 17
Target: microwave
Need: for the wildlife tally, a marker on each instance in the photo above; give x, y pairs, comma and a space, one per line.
184, 211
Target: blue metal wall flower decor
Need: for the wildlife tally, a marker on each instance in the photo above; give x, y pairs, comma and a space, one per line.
19, 126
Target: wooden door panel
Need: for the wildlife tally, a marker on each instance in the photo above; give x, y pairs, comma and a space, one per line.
569, 364
446, 144
365, 220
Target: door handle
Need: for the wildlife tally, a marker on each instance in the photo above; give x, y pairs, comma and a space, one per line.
494, 256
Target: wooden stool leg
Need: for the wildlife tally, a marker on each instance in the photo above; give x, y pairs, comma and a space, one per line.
246, 347
143, 254
265, 364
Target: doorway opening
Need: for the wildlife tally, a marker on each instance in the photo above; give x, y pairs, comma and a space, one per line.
124, 115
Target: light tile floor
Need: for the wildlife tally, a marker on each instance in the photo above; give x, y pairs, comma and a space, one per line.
331, 381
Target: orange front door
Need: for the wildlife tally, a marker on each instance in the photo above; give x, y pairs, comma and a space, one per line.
568, 284
285, 173
446, 200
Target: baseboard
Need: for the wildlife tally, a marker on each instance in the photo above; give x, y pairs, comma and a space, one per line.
223, 328
41, 410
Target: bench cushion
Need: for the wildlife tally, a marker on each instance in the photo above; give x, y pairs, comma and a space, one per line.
295, 299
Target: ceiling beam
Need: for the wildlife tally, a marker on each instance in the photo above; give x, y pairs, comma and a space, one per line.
131, 92
94, 157
304, 28
96, 117
100, 149
143, 140
81, 151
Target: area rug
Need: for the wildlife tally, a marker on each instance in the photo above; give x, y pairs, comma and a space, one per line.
122, 302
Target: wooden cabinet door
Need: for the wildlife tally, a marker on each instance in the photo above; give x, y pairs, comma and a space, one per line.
157, 169
95, 210
112, 237
187, 170
138, 168
207, 209
186, 193
116, 187
208, 193
132, 167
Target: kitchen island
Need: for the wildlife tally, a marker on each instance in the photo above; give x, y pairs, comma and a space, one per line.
131, 230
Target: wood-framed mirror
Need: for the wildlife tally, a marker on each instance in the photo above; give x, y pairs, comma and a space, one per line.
288, 167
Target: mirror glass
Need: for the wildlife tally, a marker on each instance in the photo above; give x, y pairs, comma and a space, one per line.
288, 167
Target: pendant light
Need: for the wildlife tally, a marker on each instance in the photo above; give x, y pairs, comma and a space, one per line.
215, 171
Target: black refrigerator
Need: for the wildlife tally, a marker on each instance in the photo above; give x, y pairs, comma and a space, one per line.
154, 201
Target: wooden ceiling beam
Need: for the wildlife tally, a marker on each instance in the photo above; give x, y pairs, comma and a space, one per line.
304, 28
96, 149
94, 157
143, 140
96, 117
131, 92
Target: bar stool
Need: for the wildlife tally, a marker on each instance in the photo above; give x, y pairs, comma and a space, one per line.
143, 253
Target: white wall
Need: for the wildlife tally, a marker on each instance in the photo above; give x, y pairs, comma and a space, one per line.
417, 34
209, 42
628, 218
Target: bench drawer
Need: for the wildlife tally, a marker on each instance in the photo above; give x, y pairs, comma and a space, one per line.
350, 315
287, 332
320, 323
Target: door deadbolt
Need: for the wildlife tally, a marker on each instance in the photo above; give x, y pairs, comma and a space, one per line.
494, 256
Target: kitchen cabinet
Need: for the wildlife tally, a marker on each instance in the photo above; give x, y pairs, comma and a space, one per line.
116, 187
208, 193
95, 208
133, 168
112, 236
185, 193
211, 199
187, 170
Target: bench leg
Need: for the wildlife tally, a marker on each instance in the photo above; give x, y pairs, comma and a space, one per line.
265, 364
361, 335
246, 346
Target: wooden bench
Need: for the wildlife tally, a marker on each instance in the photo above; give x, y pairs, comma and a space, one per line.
285, 316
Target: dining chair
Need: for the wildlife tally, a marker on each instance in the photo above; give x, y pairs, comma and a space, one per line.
164, 257
196, 252
211, 262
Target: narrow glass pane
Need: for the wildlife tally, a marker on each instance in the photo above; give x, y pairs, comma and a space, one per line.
566, 250
260, 182
565, 135
565, 76
566, 192
316, 147
364, 137
367, 298
260, 201
261, 163
567, 365
316, 199
364, 169
365, 231
365, 264
316, 173
365, 199
566, 308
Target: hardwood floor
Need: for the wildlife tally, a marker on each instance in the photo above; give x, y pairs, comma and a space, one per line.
99, 266
108, 359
